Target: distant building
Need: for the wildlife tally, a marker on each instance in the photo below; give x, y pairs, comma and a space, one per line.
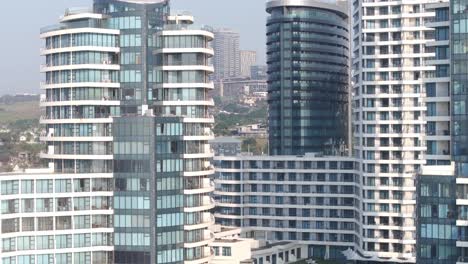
258, 72
308, 76
226, 146
232, 88
248, 58
227, 54
253, 130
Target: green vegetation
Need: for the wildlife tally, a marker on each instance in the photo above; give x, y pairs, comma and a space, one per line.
257, 146
226, 122
19, 114
19, 111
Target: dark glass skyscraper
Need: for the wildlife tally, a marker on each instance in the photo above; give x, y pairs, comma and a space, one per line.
436, 210
459, 97
138, 21
459, 61
308, 76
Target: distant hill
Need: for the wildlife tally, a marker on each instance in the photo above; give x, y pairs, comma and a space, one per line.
17, 98
19, 107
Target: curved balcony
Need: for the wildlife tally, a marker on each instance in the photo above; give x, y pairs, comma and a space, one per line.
75, 157
103, 102
206, 186
207, 219
52, 50
203, 239
207, 51
205, 257
208, 85
206, 204
105, 65
51, 138
207, 102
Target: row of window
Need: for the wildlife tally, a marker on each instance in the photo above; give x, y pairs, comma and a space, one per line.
61, 186
343, 165
81, 39
56, 242
284, 189
62, 204
57, 77
132, 239
62, 258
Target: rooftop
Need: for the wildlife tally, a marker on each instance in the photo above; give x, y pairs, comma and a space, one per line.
271, 245
226, 140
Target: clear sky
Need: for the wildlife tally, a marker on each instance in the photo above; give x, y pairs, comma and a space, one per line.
20, 24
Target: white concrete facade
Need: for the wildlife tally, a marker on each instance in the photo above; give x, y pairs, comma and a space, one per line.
57, 218
192, 95
391, 66
313, 200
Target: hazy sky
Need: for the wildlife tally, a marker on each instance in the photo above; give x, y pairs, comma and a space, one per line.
19, 48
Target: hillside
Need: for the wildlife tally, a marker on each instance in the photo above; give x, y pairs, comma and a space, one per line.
20, 110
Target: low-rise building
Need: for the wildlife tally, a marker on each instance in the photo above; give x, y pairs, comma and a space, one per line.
49, 217
230, 247
313, 200
226, 146
252, 130
232, 88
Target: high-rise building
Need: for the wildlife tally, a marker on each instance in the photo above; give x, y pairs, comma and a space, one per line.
163, 160
459, 96
258, 72
248, 58
82, 90
437, 87
308, 76
127, 130
389, 67
226, 61
436, 215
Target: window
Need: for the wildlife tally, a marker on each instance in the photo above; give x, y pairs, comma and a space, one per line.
431, 109
227, 251
442, 53
45, 242
431, 89
442, 33
63, 186
27, 186
459, 107
129, 22
442, 70
442, 14
44, 186
130, 40
9, 187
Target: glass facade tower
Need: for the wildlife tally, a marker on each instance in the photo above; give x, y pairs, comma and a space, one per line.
127, 128
137, 22
459, 96
308, 76
459, 59
436, 213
